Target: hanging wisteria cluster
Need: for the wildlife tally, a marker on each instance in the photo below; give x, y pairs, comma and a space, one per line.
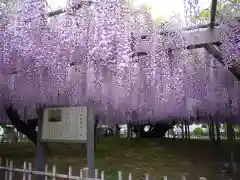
84, 57
230, 37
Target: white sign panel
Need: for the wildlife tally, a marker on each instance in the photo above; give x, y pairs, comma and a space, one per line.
65, 124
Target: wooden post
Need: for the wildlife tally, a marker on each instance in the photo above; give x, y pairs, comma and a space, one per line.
39, 150
230, 141
234, 133
173, 134
210, 130
3, 162
96, 136
230, 144
117, 134
229, 130
212, 126
217, 130
90, 142
129, 131
168, 133
182, 129
186, 131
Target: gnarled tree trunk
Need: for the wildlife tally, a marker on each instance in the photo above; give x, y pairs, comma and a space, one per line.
28, 129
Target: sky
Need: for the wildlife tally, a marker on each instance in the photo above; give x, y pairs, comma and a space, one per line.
163, 8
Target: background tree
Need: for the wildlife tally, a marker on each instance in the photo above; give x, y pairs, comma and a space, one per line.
224, 127
204, 126
198, 131
206, 13
159, 20
147, 8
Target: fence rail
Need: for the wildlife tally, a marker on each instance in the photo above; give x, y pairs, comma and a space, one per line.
27, 173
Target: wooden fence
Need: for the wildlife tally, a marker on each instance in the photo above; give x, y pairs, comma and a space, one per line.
27, 173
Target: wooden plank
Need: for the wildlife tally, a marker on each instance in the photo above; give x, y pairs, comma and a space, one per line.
191, 39
63, 10
234, 69
198, 38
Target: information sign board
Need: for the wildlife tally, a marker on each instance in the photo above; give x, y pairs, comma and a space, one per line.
64, 124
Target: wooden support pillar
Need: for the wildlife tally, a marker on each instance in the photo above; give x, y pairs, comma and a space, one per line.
213, 129
234, 133
117, 130
182, 129
230, 146
210, 130
3, 172
168, 133
229, 130
230, 141
217, 130
173, 133
129, 131
96, 135
186, 131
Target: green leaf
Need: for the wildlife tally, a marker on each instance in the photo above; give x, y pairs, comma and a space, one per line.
159, 20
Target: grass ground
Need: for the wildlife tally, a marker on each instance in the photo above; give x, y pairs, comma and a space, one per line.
139, 156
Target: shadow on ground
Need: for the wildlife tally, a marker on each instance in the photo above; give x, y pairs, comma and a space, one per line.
137, 156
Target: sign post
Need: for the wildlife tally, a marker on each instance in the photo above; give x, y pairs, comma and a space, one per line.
40, 149
71, 125
90, 144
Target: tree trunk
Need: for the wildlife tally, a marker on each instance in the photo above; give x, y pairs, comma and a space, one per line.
21, 126
28, 129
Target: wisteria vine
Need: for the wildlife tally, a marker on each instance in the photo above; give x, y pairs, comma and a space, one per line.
85, 57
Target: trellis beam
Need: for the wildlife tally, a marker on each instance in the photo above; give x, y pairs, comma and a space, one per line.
194, 37
55, 13
234, 69
201, 37
192, 40
61, 11
195, 27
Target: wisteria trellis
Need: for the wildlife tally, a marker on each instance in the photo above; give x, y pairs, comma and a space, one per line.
37, 53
